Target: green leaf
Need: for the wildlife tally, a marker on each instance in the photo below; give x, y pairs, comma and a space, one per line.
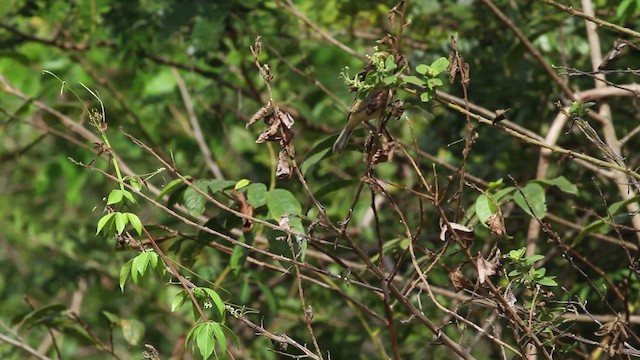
485, 207
547, 281
219, 337
413, 80
257, 194
241, 183
319, 151
423, 69
335, 185
139, 266
561, 183
217, 301
596, 226
280, 202
135, 182
621, 11
502, 194
535, 200
133, 331
178, 300
193, 200
530, 260
496, 184
390, 63
129, 196
170, 186
237, 259
216, 185
425, 96
440, 65
433, 83
153, 259
124, 273
272, 302
113, 318
103, 221
121, 222
204, 339
135, 222
45, 314
615, 207
516, 254
115, 196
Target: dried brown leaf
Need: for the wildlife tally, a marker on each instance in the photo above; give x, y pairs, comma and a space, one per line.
246, 209
500, 115
614, 54
283, 172
463, 232
271, 134
495, 222
457, 279
486, 267
262, 112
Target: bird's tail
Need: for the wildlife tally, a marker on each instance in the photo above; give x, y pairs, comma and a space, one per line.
342, 140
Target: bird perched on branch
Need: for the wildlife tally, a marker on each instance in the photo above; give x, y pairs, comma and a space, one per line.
361, 111
372, 95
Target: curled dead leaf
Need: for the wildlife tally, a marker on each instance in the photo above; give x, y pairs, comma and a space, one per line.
283, 171
271, 134
261, 113
486, 267
246, 209
463, 232
495, 222
457, 279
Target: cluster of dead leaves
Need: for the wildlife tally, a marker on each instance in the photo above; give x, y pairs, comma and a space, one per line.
280, 129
